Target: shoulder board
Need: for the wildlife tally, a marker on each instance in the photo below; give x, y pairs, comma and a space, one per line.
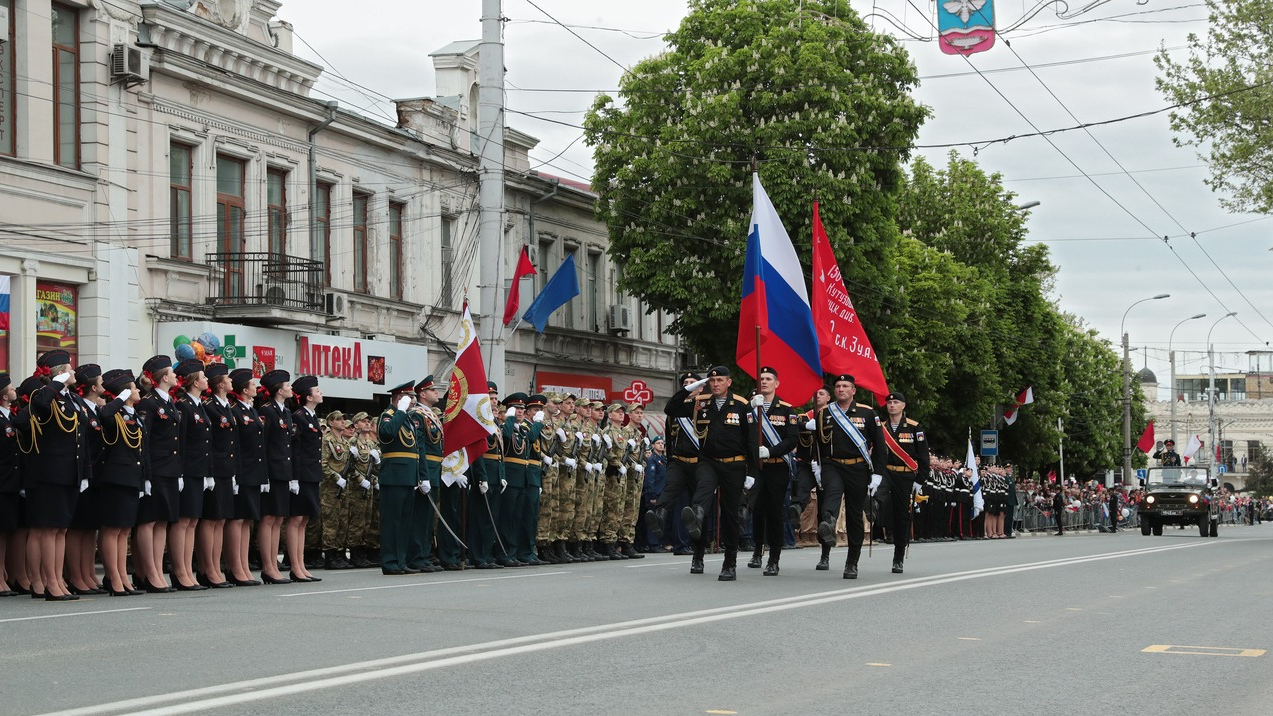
912, 422
783, 404
864, 405
701, 396
738, 397
387, 412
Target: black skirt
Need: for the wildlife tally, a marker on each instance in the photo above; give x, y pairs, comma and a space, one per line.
218, 503
10, 512
51, 506
116, 505
278, 501
86, 513
161, 504
190, 500
306, 503
247, 504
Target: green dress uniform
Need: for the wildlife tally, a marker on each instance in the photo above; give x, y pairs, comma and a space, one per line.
423, 516
399, 475
487, 471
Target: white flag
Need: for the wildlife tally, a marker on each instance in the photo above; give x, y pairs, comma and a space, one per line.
1191, 447
978, 500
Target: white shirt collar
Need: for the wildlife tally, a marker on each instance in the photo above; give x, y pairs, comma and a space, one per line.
163, 394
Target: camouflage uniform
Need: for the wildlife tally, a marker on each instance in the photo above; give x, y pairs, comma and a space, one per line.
364, 527
335, 459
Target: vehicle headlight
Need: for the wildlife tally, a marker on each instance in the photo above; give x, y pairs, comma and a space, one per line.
1149, 500
1193, 499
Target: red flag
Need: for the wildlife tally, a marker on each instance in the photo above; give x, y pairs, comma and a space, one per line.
469, 418
841, 337
524, 268
1146, 442
1025, 397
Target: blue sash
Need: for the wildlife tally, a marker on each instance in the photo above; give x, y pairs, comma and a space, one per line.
851, 430
771, 437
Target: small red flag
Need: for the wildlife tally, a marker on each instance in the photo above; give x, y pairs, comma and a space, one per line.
524, 268
1146, 442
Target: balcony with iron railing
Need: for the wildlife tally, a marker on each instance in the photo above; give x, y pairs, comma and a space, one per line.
266, 285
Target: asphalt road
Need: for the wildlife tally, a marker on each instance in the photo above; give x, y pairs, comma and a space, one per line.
1119, 624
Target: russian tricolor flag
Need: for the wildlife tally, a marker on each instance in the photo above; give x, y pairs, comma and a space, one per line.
4, 303
775, 300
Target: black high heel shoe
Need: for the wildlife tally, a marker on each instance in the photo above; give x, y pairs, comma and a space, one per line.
152, 589
303, 579
245, 582
267, 579
61, 598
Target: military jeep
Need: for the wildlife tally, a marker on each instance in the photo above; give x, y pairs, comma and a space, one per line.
1179, 496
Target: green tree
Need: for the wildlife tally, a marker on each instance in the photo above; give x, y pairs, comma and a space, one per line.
1225, 90
1259, 478
805, 89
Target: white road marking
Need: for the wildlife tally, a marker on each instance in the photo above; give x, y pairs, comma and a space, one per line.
408, 585
74, 614
272, 687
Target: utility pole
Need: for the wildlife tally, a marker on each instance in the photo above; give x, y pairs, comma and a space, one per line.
490, 114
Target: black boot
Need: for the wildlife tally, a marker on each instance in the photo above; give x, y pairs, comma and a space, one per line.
794, 510
630, 552
824, 564
693, 519
728, 570
654, 520
546, 555
562, 555
851, 564
757, 553
696, 562
826, 529
612, 553
897, 566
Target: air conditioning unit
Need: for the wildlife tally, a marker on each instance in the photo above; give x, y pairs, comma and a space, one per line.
130, 65
336, 303
620, 318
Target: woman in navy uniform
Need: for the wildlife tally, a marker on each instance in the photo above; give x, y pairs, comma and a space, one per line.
252, 478
223, 463
276, 387
161, 424
60, 471
23, 577
195, 471
307, 472
121, 478
81, 538
10, 486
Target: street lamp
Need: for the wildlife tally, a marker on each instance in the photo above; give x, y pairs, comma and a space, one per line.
1172, 356
1211, 390
1036, 202
1127, 389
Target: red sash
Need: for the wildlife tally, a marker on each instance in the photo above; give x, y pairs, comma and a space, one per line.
896, 448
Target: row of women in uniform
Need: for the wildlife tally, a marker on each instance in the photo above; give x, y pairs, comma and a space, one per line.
182, 455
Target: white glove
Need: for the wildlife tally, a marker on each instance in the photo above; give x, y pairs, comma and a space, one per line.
598, 468
548, 462
294, 487
503, 485
623, 469
61, 378
631, 444
209, 483
748, 482
510, 412
462, 481
561, 435
425, 487
587, 466
817, 473
181, 484
234, 485
541, 491
764, 453
482, 487
145, 490
596, 439
375, 486
353, 450
609, 442
918, 489
365, 484
375, 456
83, 484
758, 401
578, 436
647, 442
23, 493
639, 468
875, 484
696, 385
403, 402
811, 425
265, 487
340, 483
572, 463
539, 417
125, 394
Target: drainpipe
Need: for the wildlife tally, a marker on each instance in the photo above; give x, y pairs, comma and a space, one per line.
313, 177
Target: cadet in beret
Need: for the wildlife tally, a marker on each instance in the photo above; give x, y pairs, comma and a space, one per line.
161, 424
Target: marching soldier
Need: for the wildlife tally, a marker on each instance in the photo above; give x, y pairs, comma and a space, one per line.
682, 451
428, 425
907, 469
364, 534
850, 456
728, 462
399, 476
780, 428
805, 479
337, 464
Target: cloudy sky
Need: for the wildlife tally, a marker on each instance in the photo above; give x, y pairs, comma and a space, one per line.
1106, 197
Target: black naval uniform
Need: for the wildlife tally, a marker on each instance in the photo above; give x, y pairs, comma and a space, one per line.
901, 480
846, 472
772, 483
727, 436
682, 462
161, 424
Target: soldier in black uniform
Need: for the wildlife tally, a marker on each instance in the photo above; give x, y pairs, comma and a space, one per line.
307, 473
682, 451
1167, 455
728, 461
849, 472
223, 454
10, 486
781, 434
161, 424
805, 482
277, 491
121, 478
196, 474
906, 469
252, 478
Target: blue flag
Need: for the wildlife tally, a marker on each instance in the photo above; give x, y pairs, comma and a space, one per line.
561, 287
